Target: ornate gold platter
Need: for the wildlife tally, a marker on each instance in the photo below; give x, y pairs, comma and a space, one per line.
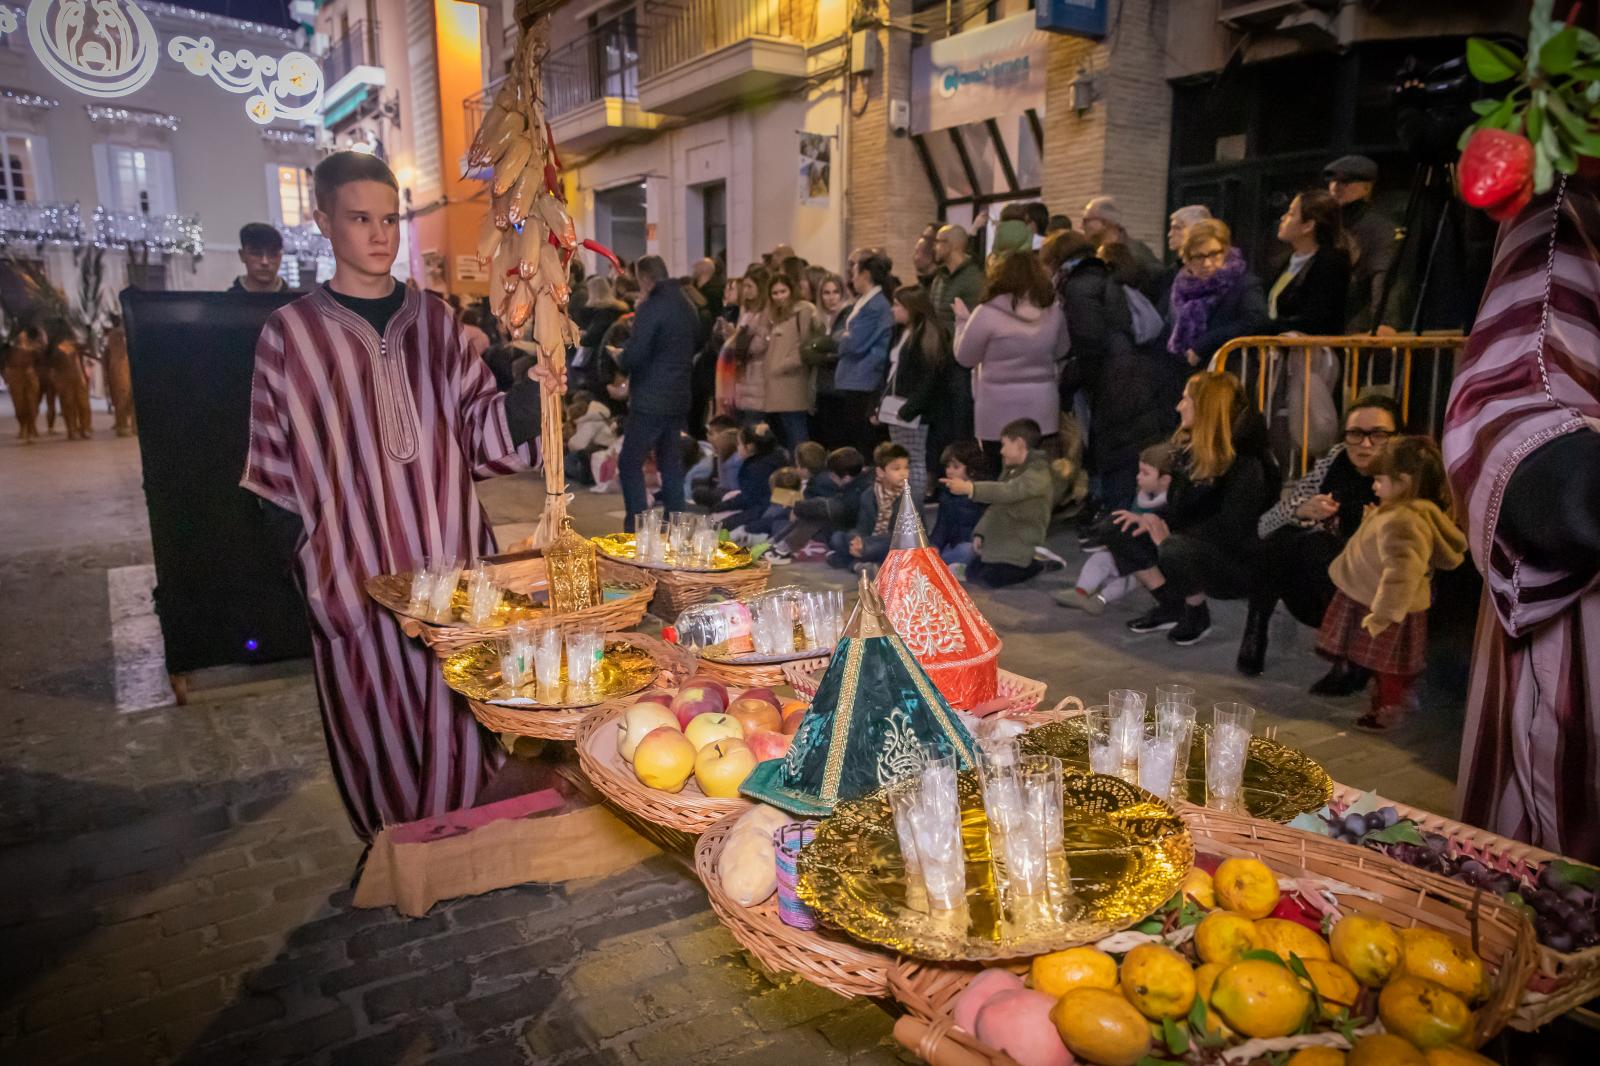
1279, 782
474, 672
1126, 854
621, 547
718, 654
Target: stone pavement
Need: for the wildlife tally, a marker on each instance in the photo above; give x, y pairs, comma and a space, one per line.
175, 881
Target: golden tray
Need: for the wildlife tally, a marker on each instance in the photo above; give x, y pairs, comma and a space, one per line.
622, 548
474, 671
393, 591
1126, 852
1279, 782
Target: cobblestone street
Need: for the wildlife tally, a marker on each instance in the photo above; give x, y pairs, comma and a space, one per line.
176, 880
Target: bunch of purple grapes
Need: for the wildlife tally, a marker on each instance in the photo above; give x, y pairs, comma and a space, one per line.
1566, 915
1352, 827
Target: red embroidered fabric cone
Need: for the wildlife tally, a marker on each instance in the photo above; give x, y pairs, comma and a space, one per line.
935, 617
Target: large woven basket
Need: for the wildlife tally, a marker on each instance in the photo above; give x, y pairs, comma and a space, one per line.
528, 575
674, 666
677, 590
821, 957
1022, 694
1389, 889
1561, 981
688, 811
766, 675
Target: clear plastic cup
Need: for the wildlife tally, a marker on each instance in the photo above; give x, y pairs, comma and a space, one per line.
546, 649
1181, 717
1105, 742
585, 647
1158, 752
1174, 692
1227, 748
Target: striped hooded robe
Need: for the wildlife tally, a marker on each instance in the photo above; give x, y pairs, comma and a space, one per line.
1529, 379
374, 442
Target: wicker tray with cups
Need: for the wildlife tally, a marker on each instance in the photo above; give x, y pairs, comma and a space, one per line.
758, 675
1374, 885
1561, 980
823, 957
525, 576
678, 590
1022, 694
673, 665
689, 810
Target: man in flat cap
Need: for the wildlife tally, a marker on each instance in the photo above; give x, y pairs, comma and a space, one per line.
1350, 179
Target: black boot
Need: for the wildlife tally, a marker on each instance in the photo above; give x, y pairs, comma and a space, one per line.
1195, 625
1253, 645
1167, 612
1344, 679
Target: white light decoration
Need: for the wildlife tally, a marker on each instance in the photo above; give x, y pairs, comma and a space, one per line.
24, 98
131, 116
281, 88
299, 137
106, 48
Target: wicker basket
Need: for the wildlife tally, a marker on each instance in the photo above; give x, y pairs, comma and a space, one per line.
677, 590
1404, 896
688, 811
1561, 981
525, 575
674, 666
822, 957
768, 675
1022, 693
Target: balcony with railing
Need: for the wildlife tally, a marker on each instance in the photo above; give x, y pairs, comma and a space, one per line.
591, 88
697, 54
351, 69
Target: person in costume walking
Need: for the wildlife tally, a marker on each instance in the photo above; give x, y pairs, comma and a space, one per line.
369, 422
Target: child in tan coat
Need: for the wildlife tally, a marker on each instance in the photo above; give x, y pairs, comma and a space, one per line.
1379, 615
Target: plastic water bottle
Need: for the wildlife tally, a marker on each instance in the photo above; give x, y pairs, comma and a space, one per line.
726, 626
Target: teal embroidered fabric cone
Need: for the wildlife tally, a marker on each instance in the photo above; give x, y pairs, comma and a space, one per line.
875, 712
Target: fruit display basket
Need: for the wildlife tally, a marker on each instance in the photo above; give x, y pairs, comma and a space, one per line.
678, 590
524, 576
690, 811
1561, 980
822, 957
674, 666
1376, 885
1022, 694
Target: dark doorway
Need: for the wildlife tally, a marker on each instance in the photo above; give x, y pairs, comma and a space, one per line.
713, 219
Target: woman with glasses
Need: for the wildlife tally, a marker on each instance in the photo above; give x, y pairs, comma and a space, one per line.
1215, 297
1305, 532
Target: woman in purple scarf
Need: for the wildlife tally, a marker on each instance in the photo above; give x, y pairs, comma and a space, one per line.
1214, 298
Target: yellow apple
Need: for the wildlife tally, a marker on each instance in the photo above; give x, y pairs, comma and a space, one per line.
704, 728
638, 720
664, 759
721, 767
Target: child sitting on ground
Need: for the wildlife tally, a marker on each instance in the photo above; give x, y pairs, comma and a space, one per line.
785, 490
958, 516
1098, 582
868, 542
1018, 514
711, 488
830, 502
759, 457
1379, 615
589, 429
812, 459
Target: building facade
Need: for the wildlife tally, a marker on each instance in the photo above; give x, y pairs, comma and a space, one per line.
162, 178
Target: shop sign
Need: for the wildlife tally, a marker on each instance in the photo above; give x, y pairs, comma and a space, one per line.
1077, 18
469, 269
990, 72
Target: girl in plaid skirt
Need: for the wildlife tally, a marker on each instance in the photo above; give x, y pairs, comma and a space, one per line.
1379, 616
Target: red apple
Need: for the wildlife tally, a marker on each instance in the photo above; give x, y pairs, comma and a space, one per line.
765, 745
762, 694
691, 702
756, 714
707, 681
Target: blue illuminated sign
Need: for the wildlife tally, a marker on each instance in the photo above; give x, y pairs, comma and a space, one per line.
1078, 18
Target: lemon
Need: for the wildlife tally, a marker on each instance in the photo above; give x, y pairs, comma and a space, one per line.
1384, 1049
1424, 1013
1450, 1055
1222, 936
1317, 1056
1060, 972
1338, 989
1205, 977
1246, 886
1287, 938
1099, 1025
1366, 946
1157, 981
1433, 956
1261, 998
1198, 887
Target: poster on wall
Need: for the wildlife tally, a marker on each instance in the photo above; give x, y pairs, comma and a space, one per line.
816, 159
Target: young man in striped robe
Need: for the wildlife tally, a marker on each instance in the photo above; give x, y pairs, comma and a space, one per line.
369, 421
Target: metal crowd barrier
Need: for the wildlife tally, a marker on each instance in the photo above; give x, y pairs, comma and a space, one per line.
1416, 369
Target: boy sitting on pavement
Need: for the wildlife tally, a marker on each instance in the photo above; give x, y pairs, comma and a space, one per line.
1018, 514
831, 502
869, 541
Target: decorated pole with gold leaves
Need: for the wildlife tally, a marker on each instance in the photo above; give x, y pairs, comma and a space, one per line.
528, 240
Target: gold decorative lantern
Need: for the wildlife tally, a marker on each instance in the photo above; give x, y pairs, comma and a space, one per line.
573, 569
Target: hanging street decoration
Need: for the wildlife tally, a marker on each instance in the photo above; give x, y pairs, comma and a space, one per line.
102, 115
105, 49
286, 88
